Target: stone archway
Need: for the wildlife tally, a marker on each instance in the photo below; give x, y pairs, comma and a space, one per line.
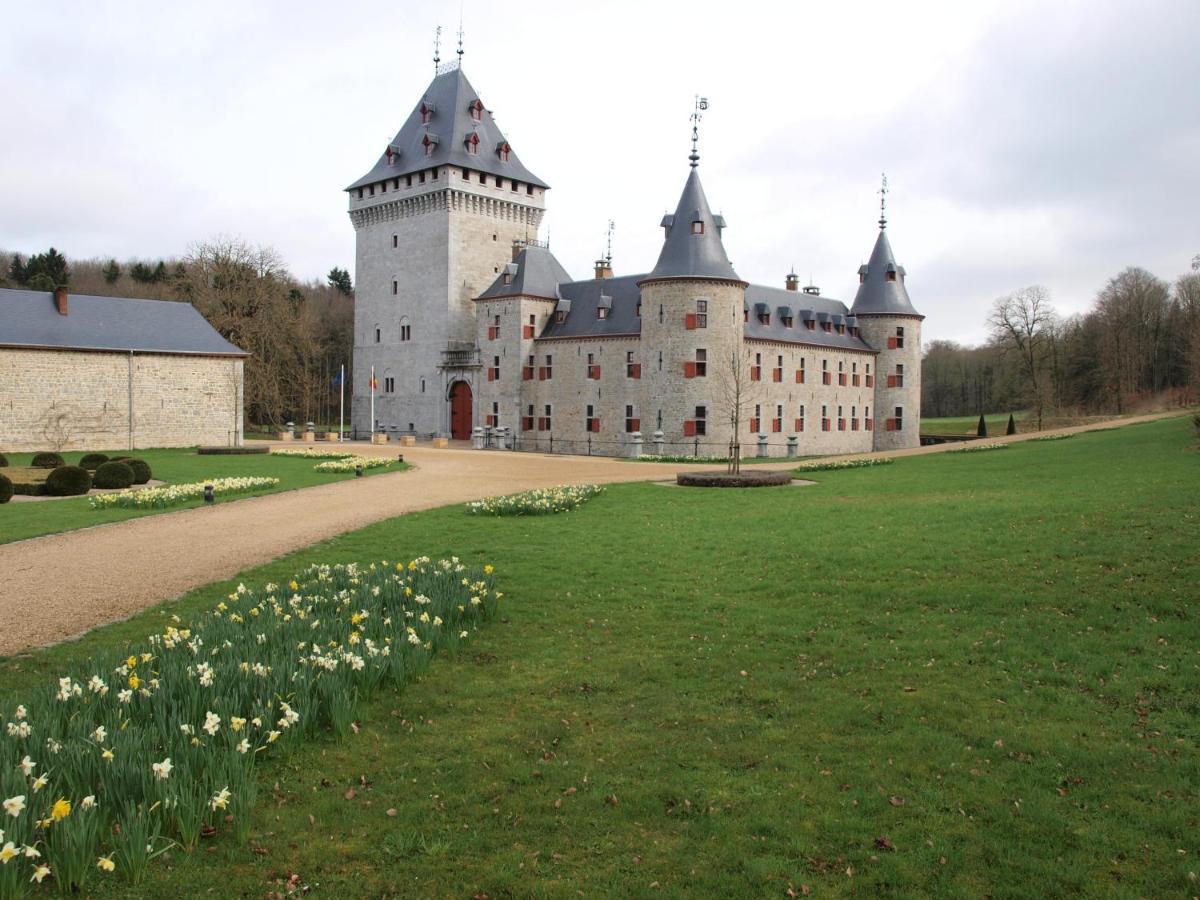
460, 411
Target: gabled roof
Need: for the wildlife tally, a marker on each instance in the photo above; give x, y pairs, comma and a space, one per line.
122, 324
876, 294
535, 273
449, 98
688, 255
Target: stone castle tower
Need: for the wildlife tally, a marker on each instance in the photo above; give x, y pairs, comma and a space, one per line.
435, 220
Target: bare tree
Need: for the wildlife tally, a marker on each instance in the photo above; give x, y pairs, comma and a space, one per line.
1023, 324
735, 391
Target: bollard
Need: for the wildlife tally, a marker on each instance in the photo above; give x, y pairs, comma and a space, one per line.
762, 445
358, 470
792, 442
209, 495
658, 438
635, 445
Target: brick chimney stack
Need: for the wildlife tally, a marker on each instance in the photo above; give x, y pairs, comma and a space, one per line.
60, 299
793, 282
604, 268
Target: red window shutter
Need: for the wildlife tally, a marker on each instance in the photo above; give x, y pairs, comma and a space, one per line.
689, 321
870, 381
541, 373
491, 332
824, 424
527, 423
491, 374
891, 343
756, 373
842, 379
689, 428
825, 378
799, 424
799, 376
635, 424
597, 375
595, 424
635, 371
777, 375
841, 424
891, 381
854, 380
527, 373
870, 424
491, 420
528, 331
689, 369
754, 426
777, 425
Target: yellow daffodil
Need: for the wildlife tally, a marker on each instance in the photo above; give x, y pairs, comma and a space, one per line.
105, 864
106, 755
7, 852
131, 662
61, 809
134, 682
39, 873
488, 570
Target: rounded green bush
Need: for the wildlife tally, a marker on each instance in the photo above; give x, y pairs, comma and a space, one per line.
68, 481
6, 489
47, 460
113, 474
91, 461
141, 469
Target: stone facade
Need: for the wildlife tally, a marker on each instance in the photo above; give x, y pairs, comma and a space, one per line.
94, 400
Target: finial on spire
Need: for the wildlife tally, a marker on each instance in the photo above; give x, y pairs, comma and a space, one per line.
608, 242
437, 48
460, 32
697, 115
883, 192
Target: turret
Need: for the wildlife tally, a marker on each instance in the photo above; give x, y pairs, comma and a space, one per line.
889, 323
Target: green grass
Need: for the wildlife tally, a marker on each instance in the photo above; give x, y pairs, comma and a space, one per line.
695, 693
997, 424
178, 466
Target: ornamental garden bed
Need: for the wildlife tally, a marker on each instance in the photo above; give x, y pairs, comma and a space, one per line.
733, 480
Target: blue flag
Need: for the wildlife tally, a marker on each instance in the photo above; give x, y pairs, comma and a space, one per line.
337, 380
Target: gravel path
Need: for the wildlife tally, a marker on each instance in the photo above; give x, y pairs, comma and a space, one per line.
60, 586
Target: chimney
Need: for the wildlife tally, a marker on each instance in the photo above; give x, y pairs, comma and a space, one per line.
603, 268
793, 282
60, 299
518, 246
812, 289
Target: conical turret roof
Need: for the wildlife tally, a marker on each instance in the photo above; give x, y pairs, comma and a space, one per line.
443, 121
691, 250
882, 290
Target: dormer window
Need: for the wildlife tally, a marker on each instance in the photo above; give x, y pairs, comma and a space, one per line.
392, 153
787, 321
602, 312
560, 317
426, 112
472, 143
507, 278
502, 152
698, 226
429, 142
475, 108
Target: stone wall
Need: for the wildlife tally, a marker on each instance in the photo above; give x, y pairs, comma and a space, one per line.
74, 400
896, 388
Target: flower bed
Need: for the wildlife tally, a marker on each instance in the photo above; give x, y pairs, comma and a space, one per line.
349, 463
164, 743
979, 448
540, 502
314, 453
1053, 437
159, 497
844, 464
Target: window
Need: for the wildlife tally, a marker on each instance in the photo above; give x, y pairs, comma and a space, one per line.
494, 370
494, 328
476, 110
697, 426
896, 341
422, 385
868, 422
421, 177
764, 316
854, 374
787, 321
660, 313
389, 385
756, 370
632, 369
698, 319
527, 369
360, 193
637, 311
841, 420
395, 287
544, 421
408, 181
395, 241
601, 312
593, 368
697, 368
660, 369
378, 334
826, 378
777, 372
546, 372
870, 379
383, 187
527, 419
430, 143
371, 189
841, 373
897, 380
472, 144
827, 326
854, 418
777, 422
632, 423
800, 419
506, 278
527, 332
756, 420
824, 418
591, 421
800, 372
810, 324
560, 316
494, 419
899, 420
406, 332
483, 180
426, 113
698, 227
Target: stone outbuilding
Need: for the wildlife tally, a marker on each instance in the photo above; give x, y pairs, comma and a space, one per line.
109, 373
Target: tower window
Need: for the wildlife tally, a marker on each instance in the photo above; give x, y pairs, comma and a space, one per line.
389, 385
698, 227
395, 287
378, 334
406, 332
395, 241
472, 143
476, 110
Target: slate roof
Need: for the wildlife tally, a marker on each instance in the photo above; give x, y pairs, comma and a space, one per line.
876, 295
688, 255
535, 273
823, 308
122, 324
581, 299
450, 95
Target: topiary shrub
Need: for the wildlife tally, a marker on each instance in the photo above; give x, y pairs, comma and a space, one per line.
113, 474
1012, 425
6, 489
3, 460
68, 481
981, 428
91, 461
47, 460
141, 469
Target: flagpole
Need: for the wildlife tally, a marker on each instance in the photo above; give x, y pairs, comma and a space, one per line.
372, 403
342, 404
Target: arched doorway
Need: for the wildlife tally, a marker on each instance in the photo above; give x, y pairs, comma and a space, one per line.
460, 411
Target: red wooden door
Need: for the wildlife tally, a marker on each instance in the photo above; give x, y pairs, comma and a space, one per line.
460, 411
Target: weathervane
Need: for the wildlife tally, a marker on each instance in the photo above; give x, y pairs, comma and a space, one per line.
437, 49
697, 115
460, 33
883, 192
608, 242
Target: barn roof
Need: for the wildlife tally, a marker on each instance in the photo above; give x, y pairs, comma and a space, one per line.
120, 324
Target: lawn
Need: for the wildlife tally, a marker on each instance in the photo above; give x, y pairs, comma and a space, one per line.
997, 424
176, 466
957, 675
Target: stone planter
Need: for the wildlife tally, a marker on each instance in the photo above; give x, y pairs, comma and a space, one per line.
408, 440
331, 436
379, 438
310, 436
284, 435
441, 443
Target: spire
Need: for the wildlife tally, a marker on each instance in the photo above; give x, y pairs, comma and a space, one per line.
883, 192
697, 115
693, 247
881, 289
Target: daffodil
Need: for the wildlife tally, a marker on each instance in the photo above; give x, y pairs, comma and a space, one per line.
162, 770
27, 766
106, 755
39, 783
212, 723
105, 863
99, 734
7, 852
220, 799
61, 809
40, 873
14, 805
134, 682
131, 662
88, 802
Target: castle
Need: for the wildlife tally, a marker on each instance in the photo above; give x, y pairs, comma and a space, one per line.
472, 329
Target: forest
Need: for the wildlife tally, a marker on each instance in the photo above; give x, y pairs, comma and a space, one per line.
298, 334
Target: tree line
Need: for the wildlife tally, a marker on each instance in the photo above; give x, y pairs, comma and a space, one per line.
1139, 340
298, 334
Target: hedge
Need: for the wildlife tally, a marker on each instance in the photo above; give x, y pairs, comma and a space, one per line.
141, 469
68, 481
6, 489
47, 460
91, 461
113, 474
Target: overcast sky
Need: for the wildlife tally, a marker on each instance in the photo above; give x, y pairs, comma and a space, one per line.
1024, 142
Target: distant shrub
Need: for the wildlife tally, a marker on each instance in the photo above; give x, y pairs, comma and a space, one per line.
6, 489
981, 428
141, 469
3, 460
1012, 425
47, 460
91, 461
68, 481
113, 474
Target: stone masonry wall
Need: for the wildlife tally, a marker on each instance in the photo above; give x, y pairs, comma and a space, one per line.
906, 395
71, 400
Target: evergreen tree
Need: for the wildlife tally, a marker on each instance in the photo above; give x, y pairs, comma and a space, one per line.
1012, 425
41, 282
981, 429
339, 279
52, 264
16, 270
160, 273
142, 273
112, 271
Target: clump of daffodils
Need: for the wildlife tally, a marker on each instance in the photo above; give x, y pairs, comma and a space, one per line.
103, 768
314, 453
835, 464
159, 497
979, 448
350, 463
541, 502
